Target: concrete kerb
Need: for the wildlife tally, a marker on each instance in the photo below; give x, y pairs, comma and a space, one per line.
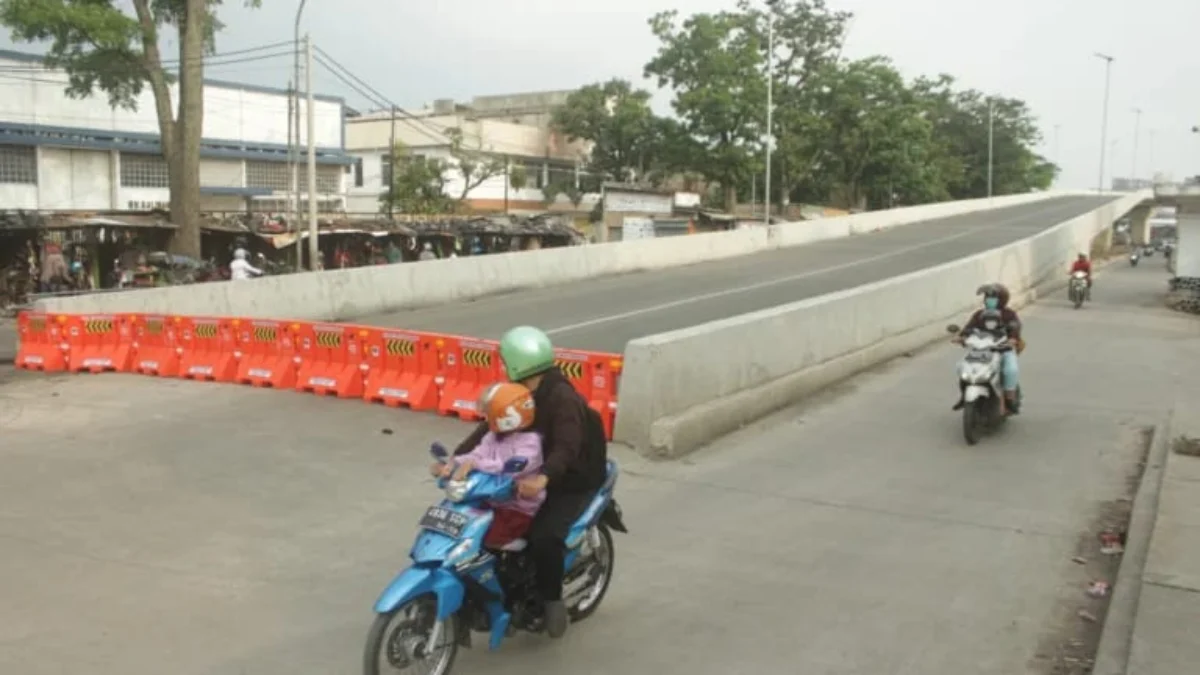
345, 294
683, 388
1116, 637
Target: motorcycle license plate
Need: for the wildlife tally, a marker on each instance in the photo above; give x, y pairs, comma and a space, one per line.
979, 356
444, 521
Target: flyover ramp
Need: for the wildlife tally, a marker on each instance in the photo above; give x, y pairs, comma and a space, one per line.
347, 294
604, 314
852, 534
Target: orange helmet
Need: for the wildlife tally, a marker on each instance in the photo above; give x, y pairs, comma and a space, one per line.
508, 407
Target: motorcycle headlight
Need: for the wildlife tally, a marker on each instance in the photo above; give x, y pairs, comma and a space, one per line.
456, 490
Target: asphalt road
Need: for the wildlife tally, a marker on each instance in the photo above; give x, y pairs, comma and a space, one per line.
603, 314
154, 525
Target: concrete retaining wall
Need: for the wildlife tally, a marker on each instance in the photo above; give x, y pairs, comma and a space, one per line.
683, 388
337, 295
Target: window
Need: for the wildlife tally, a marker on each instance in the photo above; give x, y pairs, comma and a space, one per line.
385, 170
269, 176
358, 172
18, 164
144, 171
329, 179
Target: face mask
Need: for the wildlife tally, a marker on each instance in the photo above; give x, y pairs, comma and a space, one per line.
991, 303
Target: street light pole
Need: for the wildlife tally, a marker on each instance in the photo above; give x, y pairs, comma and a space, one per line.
1108, 60
991, 144
294, 151
1137, 129
314, 252
770, 106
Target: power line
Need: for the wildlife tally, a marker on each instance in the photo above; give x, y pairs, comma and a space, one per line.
389, 103
208, 59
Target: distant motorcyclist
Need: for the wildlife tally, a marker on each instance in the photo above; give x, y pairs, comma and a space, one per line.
575, 453
997, 317
1082, 264
240, 268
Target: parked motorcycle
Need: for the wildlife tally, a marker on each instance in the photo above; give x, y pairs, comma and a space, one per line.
454, 586
980, 389
1077, 288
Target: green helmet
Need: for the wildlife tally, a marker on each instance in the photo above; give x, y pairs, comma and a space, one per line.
526, 351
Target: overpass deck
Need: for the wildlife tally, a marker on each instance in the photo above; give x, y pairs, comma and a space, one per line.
603, 314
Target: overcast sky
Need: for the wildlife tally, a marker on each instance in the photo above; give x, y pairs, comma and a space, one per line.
1037, 50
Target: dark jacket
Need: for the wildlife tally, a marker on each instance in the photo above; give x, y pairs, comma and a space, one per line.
574, 448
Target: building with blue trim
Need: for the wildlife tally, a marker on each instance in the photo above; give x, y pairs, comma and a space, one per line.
63, 154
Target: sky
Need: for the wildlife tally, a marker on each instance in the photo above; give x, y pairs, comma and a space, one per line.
1041, 51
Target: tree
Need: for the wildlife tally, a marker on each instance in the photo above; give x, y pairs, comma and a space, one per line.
714, 65
518, 177
878, 144
418, 185
104, 49
474, 165
808, 39
617, 120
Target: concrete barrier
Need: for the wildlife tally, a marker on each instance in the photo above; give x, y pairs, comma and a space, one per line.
337, 295
683, 388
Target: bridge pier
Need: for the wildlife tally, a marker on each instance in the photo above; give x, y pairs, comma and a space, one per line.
1139, 225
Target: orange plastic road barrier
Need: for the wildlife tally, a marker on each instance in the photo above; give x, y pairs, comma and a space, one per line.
99, 343
206, 349
331, 361
470, 365
403, 368
155, 351
40, 344
265, 353
595, 376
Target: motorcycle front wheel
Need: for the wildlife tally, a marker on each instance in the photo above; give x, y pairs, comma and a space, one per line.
972, 419
398, 641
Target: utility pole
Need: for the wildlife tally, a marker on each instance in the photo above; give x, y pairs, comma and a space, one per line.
294, 151
1108, 61
770, 105
991, 144
314, 251
291, 159
1137, 129
392, 170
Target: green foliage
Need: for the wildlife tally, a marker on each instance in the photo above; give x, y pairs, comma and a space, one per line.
852, 133
418, 185
518, 177
473, 164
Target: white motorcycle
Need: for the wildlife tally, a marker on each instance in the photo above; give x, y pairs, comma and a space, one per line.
1077, 288
979, 383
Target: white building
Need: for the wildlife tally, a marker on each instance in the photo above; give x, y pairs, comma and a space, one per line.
514, 128
62, 154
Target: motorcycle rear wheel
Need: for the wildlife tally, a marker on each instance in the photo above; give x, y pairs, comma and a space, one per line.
394, 636
607, 557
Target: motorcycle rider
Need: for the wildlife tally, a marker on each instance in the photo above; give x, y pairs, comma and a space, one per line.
1082, 264
575, 457
240, 269
995, 299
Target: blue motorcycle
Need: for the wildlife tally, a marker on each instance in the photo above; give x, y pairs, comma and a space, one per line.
455, 587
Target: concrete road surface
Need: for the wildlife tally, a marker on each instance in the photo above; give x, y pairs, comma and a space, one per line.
8, 339
603, 314
154, 526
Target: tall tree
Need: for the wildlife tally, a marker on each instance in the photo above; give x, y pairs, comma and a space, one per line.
617, 120
714, 65
103, 48
808, 38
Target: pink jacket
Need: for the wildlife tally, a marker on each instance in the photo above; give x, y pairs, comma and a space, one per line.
492, 452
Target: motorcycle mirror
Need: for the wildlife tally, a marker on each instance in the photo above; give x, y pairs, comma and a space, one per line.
952, 328
439, 452
516, 465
